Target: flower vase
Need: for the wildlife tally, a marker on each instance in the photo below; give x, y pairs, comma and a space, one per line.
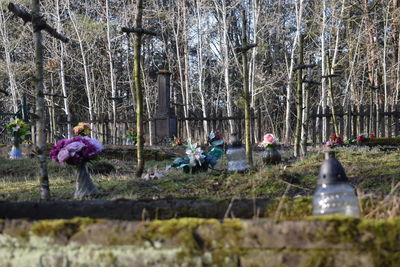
84, 184
271, 155
195, 169
15, 152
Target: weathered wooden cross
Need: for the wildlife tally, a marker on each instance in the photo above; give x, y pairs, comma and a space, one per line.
302, 109
139, 32
39, 24
247, 122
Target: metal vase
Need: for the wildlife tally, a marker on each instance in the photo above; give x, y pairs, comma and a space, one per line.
271, 156
15, 152
84, 184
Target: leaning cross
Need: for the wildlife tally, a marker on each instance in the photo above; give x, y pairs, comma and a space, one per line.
138, 31
39, 24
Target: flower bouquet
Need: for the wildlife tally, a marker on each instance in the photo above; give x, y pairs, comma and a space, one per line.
20, 132
196, 160
131, 136
82, 129
334, 141
176, 141
271, 154
78, 151
215, 139
364, 138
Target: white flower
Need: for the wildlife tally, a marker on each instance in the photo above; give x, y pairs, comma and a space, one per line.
16, 128
194, 153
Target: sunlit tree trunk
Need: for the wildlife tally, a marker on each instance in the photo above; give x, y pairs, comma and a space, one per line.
200, 69
86, 71
40, 110
112, 79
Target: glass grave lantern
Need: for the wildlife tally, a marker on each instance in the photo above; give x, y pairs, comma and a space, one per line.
236, 155
334, 194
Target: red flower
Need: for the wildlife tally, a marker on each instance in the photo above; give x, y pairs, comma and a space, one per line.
372, 135
360, 138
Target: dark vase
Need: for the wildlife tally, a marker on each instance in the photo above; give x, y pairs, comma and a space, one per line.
15, 152
195, 169
271, 155
84, 184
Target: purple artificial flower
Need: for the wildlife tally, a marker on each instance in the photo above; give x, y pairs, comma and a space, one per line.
76, 150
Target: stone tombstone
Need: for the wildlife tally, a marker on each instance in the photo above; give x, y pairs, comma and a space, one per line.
165, 123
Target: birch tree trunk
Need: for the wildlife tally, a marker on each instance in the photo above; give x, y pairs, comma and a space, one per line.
299, 17
112, 79
10, 70
86, 71
200, 68
40, 109
186, 68
62, 75
323, 71
225, 63
182, 69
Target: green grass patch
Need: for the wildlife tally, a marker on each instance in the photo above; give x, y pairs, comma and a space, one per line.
372, 172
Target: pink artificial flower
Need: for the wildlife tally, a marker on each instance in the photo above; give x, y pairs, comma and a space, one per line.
269, 139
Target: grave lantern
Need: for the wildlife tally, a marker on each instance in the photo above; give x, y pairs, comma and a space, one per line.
334, 194
236, 155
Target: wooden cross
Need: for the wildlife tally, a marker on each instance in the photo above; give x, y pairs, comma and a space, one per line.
39, 24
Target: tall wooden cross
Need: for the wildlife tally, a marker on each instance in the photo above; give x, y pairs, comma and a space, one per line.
247, 122
39, 24
139, 32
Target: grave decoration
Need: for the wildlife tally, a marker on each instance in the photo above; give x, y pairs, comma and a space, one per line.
271, 153
82, 129
334, 141
198, 161
365, 138
360, 140
20, 132
334, 194
176, 141
78, 151
131, 137
236, 155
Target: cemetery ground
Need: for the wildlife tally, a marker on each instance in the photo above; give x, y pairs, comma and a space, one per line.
374, 172
283, 233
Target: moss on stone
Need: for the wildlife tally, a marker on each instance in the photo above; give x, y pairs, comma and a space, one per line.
381, 237
289, 208
67, 228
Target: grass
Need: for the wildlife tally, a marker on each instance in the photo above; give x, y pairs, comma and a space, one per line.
373, 172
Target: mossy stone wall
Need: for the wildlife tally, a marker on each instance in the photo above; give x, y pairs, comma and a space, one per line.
322, 241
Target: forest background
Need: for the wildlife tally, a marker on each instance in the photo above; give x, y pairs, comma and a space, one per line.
90, 78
